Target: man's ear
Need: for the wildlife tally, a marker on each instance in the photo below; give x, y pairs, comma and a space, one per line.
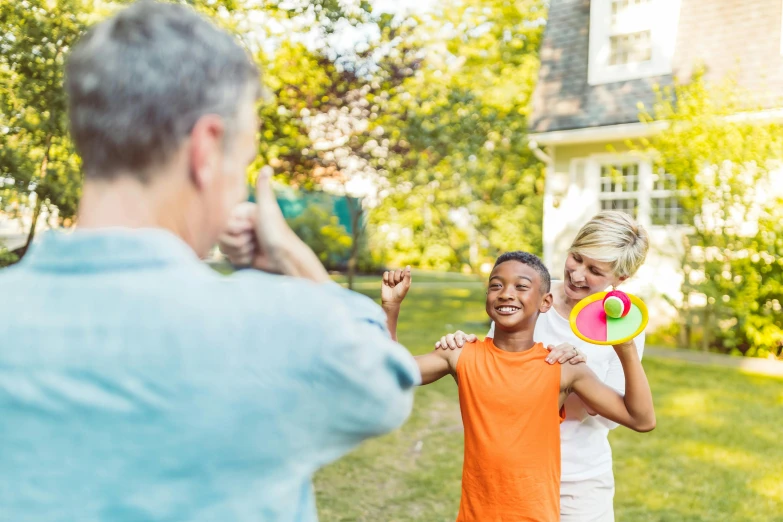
546, 303
206, 149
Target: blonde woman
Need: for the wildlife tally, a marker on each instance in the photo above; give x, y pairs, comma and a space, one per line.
608, 249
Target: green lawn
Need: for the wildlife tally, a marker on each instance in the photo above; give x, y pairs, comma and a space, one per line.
716, 455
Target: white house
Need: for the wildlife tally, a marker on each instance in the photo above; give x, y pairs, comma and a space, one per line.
599, 60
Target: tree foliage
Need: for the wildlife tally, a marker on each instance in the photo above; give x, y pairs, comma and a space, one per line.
727, 156
37, 161
463, 184
39, 169
319, 228
424, 117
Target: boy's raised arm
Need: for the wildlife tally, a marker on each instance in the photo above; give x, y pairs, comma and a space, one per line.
394, 288
635, 409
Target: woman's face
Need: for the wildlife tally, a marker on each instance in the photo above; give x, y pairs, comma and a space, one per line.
585, 276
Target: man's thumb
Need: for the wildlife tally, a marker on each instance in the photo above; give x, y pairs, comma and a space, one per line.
264, 190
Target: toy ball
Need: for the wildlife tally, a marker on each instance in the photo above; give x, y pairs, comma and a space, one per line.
617, 304
609, 318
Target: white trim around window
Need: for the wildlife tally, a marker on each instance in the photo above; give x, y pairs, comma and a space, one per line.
624, 23
633, 188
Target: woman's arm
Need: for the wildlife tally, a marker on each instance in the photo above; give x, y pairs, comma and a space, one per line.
616, 379
634, 409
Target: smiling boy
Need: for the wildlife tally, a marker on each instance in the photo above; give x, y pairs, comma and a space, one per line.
511, 400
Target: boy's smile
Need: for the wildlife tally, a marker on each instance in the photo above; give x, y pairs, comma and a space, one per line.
507, 310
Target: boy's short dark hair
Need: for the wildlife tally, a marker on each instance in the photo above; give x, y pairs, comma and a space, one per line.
531, 260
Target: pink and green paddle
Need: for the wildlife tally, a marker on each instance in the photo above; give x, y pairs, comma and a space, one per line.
609, 318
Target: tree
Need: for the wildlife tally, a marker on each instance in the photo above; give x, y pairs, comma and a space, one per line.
7, 258
319, 228
317, 131
726, 159
429, 115
463, 183
37, 154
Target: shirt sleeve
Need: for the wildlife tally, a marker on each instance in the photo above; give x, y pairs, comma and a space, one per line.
363, 379
322, 355
615, 377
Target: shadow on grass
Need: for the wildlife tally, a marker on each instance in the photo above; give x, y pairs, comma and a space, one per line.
714, 455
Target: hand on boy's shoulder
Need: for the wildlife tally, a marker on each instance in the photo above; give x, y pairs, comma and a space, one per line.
455, 340
565, 353
450, 356
450, 347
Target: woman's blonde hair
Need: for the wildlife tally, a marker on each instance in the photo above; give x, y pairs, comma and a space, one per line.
613, 237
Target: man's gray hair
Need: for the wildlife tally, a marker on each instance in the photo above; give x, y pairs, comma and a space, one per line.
138, 82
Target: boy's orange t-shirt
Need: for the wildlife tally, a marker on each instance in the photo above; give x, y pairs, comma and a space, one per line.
509, 406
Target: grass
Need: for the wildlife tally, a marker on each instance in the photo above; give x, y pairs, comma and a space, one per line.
716, 454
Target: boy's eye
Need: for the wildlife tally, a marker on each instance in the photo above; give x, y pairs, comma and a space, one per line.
521, 287
494, 286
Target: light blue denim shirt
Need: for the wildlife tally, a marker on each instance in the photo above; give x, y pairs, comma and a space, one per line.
136, 384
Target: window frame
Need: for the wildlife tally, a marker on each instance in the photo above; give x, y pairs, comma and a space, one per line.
660, 17
645, 190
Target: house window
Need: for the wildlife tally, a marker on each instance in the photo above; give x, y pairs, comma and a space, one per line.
629, 206
631, 39
630, 48
631, 186
621, 7
620, 188
665, 207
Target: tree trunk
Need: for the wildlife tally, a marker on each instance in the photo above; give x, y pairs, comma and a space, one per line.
684, 319
356, 214
36, 215
38, 198
706, 329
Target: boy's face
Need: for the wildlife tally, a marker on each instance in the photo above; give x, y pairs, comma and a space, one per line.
515, 297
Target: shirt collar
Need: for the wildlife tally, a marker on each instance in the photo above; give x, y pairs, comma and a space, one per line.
107, 248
